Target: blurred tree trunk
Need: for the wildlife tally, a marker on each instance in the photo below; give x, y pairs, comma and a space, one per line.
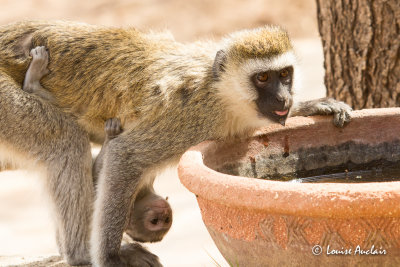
361, 41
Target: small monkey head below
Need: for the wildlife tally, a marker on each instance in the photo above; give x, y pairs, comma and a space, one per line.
150, 219
255, 72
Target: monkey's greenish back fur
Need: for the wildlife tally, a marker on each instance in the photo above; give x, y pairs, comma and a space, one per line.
98, 73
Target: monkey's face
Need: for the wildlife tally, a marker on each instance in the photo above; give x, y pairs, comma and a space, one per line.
150, 219
274, 89
258, 90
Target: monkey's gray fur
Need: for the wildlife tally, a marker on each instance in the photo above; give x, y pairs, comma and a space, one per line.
169, 97
151, 215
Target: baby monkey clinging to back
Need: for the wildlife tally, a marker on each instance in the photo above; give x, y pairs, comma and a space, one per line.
169, 96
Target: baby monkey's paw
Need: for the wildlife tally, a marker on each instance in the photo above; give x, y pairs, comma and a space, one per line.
113, 127
40, 61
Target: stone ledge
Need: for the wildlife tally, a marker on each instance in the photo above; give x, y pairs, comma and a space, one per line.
42, 261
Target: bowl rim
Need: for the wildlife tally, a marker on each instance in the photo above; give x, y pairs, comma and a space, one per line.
378, 199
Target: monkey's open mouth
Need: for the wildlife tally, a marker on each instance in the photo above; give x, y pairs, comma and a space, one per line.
281, 112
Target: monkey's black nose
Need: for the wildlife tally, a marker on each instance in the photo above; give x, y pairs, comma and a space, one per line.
283, 103
280, 98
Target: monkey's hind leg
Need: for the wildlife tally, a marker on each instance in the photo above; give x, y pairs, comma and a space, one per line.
36, 71
50, 138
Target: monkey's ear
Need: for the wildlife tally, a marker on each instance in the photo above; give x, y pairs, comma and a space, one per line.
219, 64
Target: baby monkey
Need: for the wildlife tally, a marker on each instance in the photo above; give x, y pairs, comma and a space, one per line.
150, 217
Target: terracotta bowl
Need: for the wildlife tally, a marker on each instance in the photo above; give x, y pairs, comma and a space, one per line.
259, 222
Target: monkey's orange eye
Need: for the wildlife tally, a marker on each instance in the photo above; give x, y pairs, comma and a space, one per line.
262, 77
284, 73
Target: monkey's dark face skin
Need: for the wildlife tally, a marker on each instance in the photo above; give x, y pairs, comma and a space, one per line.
274, 88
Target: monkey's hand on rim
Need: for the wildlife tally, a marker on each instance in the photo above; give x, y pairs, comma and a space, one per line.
324, 106
135, 255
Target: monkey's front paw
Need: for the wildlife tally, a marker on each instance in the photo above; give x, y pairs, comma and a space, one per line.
340, 110
136, 255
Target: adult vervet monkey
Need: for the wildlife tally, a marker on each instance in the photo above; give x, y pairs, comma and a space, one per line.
169, 97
